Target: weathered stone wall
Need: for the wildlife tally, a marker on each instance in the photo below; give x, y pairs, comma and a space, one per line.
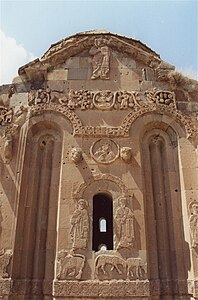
98, 116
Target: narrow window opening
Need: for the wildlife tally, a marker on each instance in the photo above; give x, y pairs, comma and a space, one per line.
103, 225
102, 230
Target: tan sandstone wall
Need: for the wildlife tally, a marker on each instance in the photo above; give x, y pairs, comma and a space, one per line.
101, 117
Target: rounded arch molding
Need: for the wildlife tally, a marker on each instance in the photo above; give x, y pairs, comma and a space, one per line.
61, 110
175, 118
100, 178
182, 124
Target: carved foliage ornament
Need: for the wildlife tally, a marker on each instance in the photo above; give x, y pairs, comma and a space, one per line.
6, 115
102, 100
139, 103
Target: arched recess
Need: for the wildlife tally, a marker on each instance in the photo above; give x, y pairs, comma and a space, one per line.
35, 240
166, 246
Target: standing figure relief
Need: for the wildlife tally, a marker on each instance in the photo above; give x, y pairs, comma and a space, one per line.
101, 58
5, 257
124, 224
193, 220
80, 226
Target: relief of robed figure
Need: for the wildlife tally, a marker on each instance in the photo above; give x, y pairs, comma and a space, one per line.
124, 221
80, 225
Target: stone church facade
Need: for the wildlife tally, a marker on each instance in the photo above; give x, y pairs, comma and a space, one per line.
98, 175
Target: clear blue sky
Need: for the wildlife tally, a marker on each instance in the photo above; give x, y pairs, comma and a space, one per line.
168, 27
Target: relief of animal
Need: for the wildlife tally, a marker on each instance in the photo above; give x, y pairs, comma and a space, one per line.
69, 266
135, 267
106, 259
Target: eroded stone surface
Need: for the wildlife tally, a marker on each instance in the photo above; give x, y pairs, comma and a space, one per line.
99, 116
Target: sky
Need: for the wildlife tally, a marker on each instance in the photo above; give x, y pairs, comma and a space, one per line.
28, 28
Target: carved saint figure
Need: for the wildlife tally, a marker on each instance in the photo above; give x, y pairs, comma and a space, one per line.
5, 256
100, 61
8, 148
76, 155
80, 226
124, 224
194, 223
104, 153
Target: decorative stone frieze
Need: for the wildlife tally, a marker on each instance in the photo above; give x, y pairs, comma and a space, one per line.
100, 178
117, 289
102, 100
6, 116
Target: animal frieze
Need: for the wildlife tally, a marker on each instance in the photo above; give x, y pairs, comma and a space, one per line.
112, 266
69, 265
107, 264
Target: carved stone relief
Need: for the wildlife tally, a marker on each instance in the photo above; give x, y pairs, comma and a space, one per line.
69, 265
6, 115
100, 177
104, 100
193, 220
131, 268
104, 151
76, 155
126, 154
101, 59
116, 262
140, 103
124, 224
161, 97
8, 148
80, 225
136, 268
5, 257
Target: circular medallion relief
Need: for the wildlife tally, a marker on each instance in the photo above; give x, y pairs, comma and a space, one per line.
104, 100
104, 151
